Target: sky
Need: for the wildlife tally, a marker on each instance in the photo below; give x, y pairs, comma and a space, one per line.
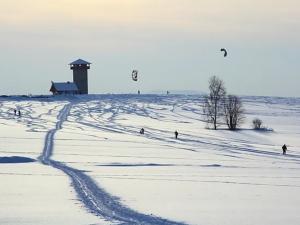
174, 44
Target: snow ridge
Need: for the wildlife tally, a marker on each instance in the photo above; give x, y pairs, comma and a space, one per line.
96, 199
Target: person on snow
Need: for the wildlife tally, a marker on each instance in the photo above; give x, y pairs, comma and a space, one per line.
142, 131
176, 134
284, 148
19, 113
15, 111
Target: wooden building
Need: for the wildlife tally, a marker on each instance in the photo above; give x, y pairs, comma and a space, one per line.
64, 88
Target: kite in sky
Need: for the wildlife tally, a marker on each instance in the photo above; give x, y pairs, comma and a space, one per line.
134, 75
225, 51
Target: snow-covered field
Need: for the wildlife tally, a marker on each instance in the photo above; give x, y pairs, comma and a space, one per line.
81, 160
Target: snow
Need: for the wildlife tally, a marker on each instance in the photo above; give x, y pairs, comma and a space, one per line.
91, 165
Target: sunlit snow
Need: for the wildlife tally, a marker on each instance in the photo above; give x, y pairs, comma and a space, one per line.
98, 168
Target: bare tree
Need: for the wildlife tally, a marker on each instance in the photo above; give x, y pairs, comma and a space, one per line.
257, 124
213, 103
233, 112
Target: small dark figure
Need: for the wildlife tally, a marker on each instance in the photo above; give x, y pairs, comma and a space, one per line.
19, 113
176, 134
168, 92
139, 92
284, 148
142, 131
15, 111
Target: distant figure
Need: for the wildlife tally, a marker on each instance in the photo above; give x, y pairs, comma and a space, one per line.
284, 148
168, 92
19, 113
15, 111
142, 131
139, 92
176, 134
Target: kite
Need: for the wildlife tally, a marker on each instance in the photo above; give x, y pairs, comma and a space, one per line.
225, 52
134, 75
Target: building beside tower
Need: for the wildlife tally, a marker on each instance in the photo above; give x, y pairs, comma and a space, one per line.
64, 88
80, 80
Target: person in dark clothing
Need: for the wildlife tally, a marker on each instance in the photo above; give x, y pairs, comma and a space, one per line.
19, 113
142, 131
176, 134
15, 111
284, 148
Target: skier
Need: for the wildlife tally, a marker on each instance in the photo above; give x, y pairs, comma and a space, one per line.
15, 111
176, 134
139, 92
19, 113
284, 148
142, 131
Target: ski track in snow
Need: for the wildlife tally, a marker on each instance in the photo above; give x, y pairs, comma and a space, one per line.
96, 199
106, 113
148, 108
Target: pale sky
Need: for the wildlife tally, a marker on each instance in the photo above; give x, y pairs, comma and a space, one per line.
175, 44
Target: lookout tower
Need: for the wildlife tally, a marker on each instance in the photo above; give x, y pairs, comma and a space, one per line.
80, 74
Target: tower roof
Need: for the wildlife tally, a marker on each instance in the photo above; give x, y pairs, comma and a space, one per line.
80, 62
